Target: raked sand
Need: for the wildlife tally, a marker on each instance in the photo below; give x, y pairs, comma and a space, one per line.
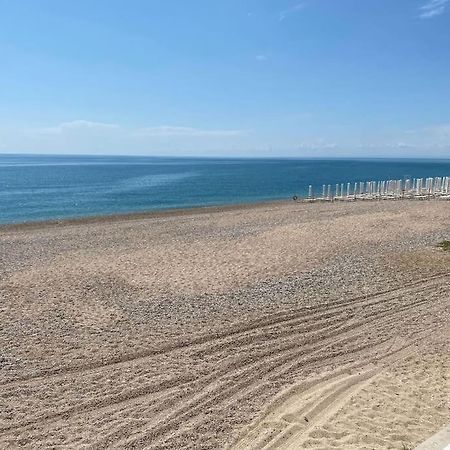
279, 325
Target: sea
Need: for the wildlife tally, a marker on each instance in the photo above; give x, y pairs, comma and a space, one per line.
53, 187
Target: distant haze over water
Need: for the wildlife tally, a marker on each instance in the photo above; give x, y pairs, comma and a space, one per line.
41, 187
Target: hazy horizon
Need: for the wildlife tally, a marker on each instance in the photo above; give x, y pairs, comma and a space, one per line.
169, 156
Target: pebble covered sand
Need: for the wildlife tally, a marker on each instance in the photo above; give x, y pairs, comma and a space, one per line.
284, 325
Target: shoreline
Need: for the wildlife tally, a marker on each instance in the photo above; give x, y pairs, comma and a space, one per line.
186, 211
149, 214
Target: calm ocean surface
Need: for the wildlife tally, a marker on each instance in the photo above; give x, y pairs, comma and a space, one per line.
53, 187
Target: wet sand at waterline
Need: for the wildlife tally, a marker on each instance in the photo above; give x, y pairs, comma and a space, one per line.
279, 325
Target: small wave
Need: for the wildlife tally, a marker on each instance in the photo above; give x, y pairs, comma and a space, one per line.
150, 181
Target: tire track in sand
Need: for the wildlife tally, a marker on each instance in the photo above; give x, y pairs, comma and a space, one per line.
289, 420
233, 332
188, 411
286, 354
148, 390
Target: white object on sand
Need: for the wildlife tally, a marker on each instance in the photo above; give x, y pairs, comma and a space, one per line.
439, 441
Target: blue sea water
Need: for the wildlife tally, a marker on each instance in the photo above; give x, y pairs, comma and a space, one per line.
41, 187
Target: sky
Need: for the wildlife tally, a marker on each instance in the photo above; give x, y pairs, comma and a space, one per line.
296, 78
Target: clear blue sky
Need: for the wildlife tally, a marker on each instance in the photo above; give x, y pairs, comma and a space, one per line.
226, 77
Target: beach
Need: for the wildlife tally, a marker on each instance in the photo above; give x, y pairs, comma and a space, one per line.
274, 325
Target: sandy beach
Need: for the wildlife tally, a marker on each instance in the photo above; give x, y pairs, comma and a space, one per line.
279, 325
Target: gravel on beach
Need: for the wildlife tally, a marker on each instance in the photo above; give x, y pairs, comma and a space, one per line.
178, 330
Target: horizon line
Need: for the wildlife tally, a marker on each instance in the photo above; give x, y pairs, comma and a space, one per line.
120, 155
